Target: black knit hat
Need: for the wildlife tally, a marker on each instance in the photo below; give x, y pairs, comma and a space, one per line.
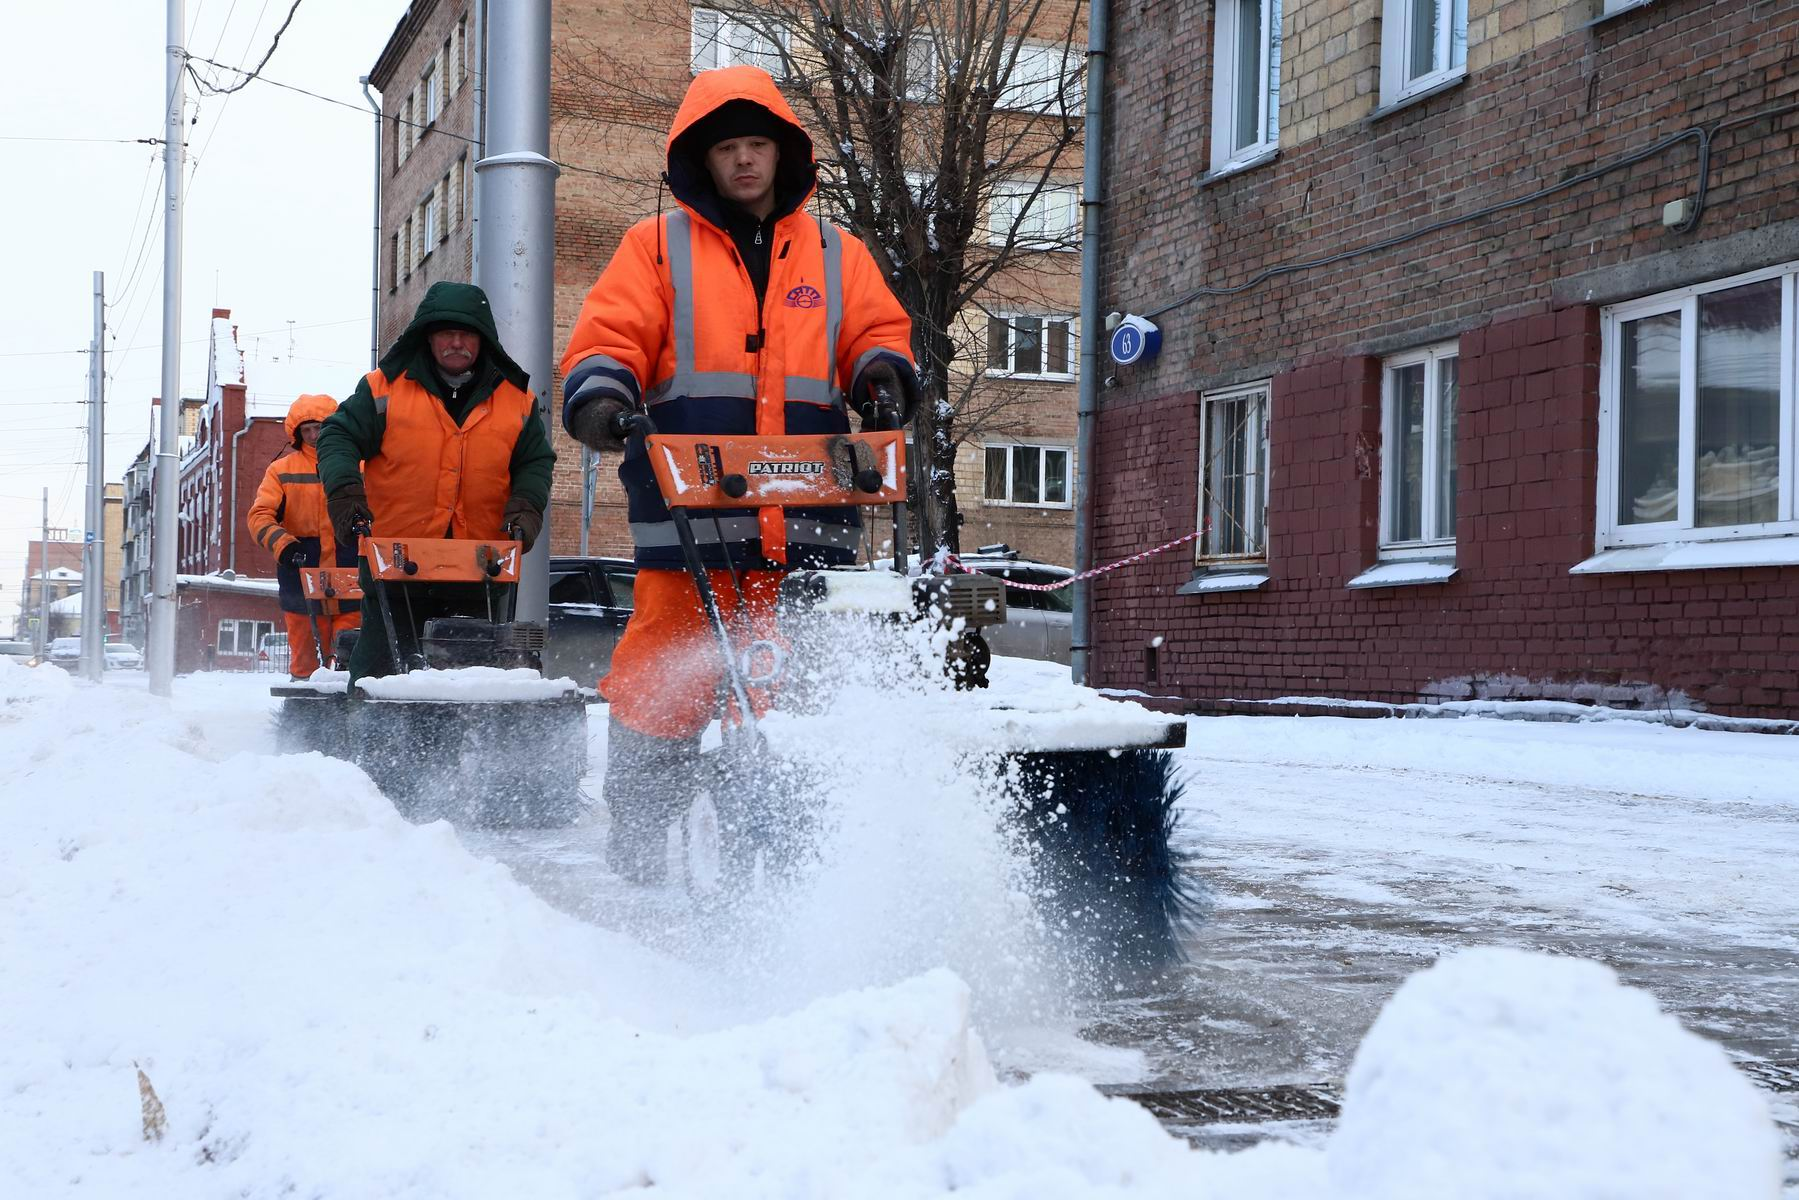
734, 119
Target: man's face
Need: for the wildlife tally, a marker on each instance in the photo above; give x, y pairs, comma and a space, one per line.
743, 169
455, 349
309, 433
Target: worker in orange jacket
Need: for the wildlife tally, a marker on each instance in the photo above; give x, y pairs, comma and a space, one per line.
737, 313
288, 519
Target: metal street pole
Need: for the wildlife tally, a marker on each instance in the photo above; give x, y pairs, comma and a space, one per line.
93, 552
164, 610
515, 186
43, 581
375, 266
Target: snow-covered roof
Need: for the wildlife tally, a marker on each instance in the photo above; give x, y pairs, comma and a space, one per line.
227, 365
58, 575
235, 583
68, 606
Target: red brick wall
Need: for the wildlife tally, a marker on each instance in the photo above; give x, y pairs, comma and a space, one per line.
1520, 290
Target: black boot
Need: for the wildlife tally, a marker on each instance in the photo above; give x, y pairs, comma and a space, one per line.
650, 781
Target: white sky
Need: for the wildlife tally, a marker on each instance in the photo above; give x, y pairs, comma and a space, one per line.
278, 224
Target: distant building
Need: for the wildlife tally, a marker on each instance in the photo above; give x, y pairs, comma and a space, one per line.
226, 580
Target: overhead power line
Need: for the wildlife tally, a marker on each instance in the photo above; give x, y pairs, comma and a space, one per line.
249, 75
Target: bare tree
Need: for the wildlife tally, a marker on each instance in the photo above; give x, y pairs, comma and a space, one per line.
948, 137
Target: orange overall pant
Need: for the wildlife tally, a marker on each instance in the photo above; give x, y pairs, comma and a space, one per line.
667, 668
302, 653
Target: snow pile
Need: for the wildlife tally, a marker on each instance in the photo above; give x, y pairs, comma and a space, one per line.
469, 685
327, 1001
1499, 1073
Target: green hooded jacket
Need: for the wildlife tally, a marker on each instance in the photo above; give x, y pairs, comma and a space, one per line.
353, 433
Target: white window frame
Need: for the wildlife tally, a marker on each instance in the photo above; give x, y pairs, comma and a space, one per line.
1035, 231
430, 224
1256, 432
1683, 528
720, 38
1045, 449
409, 134
1042, 74
428, 82
411, 246
1011, 371
1227, 37
1432, 542
1396, 48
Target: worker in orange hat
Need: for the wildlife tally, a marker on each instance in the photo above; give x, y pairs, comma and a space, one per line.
288, 519
738, 313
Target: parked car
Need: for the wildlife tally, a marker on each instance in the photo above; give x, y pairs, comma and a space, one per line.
23, 652
65, 649
1039, 624
272, 653
590, 601
123, 656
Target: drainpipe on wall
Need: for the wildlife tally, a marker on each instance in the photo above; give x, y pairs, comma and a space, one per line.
231, 517
480, 131
375, 270
1092, 208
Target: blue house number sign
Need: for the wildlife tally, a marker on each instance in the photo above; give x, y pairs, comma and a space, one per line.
1135, 340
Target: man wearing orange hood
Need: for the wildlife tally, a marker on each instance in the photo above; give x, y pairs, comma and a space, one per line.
737, 313
288, 519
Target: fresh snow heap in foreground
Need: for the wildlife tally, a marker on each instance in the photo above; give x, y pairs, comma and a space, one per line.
330, 1002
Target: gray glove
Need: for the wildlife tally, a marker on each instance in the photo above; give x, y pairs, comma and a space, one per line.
600, 423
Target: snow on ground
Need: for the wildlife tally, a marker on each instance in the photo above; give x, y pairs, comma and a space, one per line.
327, 1001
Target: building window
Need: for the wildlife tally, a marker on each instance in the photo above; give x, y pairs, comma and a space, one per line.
429, 231
428, 92
455, 185
1044, 79
1030, 346
1234, 476
409, 130
727, 40
1027, 475
459, 54
1246, 81
1697, 412
1041, 219
407, 260
242, 636
1418, 452
394, 261
1423, 43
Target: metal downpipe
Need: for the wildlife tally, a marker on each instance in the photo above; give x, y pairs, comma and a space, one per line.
1092, 325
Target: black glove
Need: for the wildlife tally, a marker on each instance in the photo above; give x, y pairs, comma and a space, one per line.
348, 507
294, 555
524, 520
882, 376
600, 424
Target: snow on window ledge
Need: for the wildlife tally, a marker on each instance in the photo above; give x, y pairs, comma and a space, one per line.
1693, 556
1234, 581
1404, 574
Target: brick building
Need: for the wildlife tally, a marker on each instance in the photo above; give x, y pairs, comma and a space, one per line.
1015, 474
226, 442
1479, 332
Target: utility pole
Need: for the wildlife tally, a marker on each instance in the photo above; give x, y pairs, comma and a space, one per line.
43, 581
164, 610
515, 186
93, 552
375, 265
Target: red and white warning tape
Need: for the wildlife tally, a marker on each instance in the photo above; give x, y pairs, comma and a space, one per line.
956, 564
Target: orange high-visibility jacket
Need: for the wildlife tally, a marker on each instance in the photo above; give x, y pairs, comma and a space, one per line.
443, 480
672, 326
290, 507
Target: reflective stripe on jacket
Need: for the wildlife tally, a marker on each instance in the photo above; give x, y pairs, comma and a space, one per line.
433, 478
289, 508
